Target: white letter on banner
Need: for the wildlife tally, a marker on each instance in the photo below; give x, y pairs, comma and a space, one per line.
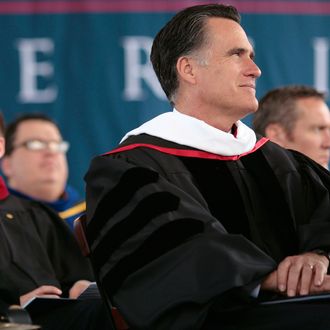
30, 69
136, 71
321, 64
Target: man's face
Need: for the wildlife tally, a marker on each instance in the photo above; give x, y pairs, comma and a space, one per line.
36, 171
311, 132
227, 81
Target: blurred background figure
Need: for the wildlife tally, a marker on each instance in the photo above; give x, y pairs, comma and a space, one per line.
35, 165
296, 117
39, 257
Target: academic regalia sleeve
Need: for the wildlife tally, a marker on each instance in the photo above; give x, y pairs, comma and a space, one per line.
314, 233
36, 248
160, 254
67, 262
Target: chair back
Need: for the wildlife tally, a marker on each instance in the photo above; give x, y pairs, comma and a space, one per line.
79, 225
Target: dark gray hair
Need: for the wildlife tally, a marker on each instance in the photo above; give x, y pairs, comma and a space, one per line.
182, 35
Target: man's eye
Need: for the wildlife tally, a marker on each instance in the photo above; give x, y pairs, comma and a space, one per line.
319, 129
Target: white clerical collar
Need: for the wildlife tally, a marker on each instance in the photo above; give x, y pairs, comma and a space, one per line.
186, 130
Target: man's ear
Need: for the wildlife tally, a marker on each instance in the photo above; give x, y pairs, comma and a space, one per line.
185, 67
2, 146
6, 166
276, 133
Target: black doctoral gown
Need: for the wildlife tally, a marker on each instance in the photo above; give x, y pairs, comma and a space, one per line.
179, 234
36, 248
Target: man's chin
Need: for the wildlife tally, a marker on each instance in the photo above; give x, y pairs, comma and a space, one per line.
254, 106
249, 109
325, 165
323, 162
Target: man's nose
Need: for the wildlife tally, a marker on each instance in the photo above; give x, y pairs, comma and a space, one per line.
326, 138
253, 69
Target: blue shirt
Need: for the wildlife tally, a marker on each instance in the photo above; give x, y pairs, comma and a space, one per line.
69, 206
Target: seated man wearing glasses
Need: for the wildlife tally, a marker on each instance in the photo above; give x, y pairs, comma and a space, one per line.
35, 165
39, 257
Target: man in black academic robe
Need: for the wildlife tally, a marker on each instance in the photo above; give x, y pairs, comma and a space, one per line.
163, 225
193, 220
37, 249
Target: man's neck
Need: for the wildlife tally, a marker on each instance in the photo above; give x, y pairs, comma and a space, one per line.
217, 118
42, 194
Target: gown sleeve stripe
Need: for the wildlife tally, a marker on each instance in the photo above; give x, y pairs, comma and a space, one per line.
114, 200
146, 210
164, 239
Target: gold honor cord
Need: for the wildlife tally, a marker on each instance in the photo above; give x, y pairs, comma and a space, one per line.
81, 207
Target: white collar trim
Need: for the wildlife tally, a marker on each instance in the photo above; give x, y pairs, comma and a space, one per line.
186, 130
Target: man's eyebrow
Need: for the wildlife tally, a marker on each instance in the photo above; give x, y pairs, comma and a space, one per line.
240, 51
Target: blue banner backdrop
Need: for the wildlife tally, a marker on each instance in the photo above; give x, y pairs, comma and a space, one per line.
86, 63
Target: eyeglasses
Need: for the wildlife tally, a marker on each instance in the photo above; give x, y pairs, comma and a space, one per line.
40, 145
